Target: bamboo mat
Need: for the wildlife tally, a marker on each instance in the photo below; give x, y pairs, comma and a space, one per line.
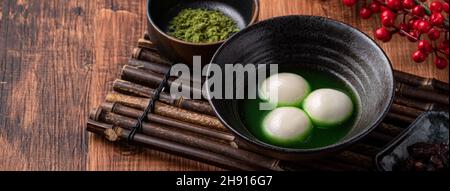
199, 136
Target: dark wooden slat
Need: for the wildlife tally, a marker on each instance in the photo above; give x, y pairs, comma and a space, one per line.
46, 51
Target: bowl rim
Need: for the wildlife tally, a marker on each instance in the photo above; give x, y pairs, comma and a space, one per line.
329, 148
255, 15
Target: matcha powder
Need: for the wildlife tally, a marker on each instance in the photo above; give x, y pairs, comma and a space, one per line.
202, 26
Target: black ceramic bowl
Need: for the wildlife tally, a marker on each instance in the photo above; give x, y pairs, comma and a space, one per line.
161, 12
314, 44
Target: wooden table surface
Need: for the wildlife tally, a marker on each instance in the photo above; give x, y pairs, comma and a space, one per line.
59, 58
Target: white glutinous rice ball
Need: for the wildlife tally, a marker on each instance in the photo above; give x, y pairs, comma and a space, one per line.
284, 89
328, 107
287, 125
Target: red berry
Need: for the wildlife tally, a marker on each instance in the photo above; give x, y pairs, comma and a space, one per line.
419, 56
404, 28
394, 4
413, 36
443, 45
374, 7
388, 14
349, 2
424, 46
383, 34
437, 19
384, 8
365, 13
416, 24
440, 63
424, 27
387, 22
434, 34
418, 11
388, 18
436, 7
409, 4
411, 22
445, 7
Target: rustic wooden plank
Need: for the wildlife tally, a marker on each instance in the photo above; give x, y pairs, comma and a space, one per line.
58, 59
44, 70
114, 41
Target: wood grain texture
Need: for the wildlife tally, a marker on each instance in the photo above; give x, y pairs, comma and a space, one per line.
59, 58
45, 58
113, 43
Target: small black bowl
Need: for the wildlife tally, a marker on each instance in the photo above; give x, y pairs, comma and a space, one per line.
431, 128
161, 12
315, 44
